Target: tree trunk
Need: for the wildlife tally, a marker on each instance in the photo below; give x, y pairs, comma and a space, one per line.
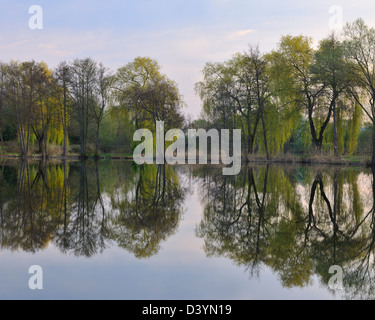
2, 143
265, 138
373, 144
250, 145
64, 122
65, 141
40, 144
314, 138
27, 140
97, 141
318, 142
20, 133
335, 138
45, 150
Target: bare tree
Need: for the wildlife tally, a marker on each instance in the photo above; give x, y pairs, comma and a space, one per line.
82, 87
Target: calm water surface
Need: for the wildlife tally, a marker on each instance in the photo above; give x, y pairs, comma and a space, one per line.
113, 230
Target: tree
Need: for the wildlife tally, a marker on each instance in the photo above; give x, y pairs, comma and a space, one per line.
360, 51
62, 77
82, 84
214, 93
104, 84
231, 88
148, 95
332, 70
258, 68
130, 81
2, 105
45, 121
294, 58
243, 96
21, 95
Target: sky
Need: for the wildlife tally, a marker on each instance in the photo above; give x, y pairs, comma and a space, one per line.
181, 35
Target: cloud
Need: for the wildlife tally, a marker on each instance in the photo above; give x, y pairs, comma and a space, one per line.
182, 40
241, 33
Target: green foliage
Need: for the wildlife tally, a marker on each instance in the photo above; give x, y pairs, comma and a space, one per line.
294, 99
83, 103
147, 95
364, 140
10, 133
116, 132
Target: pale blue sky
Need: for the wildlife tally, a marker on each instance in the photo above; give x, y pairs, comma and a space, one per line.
181, 35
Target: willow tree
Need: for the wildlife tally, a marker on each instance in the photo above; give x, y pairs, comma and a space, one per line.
46, 124
213, 91
332, 70
62, 78
261, 87
284, 113
24, 83
355, 115
237, 87
277, 111
130, 81
243, 94
294, 58
360, 51
148, 95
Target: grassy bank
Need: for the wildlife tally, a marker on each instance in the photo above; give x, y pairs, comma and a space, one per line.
286, 158
69, 157
310, 159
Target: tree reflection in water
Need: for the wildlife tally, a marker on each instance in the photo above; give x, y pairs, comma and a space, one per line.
149, 212
298, 221
81, 209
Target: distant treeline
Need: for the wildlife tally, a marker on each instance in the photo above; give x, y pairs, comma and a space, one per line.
296, 98
83, 103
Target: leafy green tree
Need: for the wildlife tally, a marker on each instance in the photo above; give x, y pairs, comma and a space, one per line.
62, 76
293, 60
148, 95
360, 51
214, 92
332, 70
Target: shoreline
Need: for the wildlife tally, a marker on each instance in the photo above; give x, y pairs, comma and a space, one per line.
67, 158
349, 161
359, 161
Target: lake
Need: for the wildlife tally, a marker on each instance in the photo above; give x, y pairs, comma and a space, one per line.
115, 230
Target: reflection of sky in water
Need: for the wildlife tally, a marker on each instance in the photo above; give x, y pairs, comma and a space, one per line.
180, 270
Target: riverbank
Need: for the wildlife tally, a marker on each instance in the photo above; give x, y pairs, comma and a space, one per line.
69, 157
364, 161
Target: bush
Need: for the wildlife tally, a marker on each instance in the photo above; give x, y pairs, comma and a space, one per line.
10, 133
365, 140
